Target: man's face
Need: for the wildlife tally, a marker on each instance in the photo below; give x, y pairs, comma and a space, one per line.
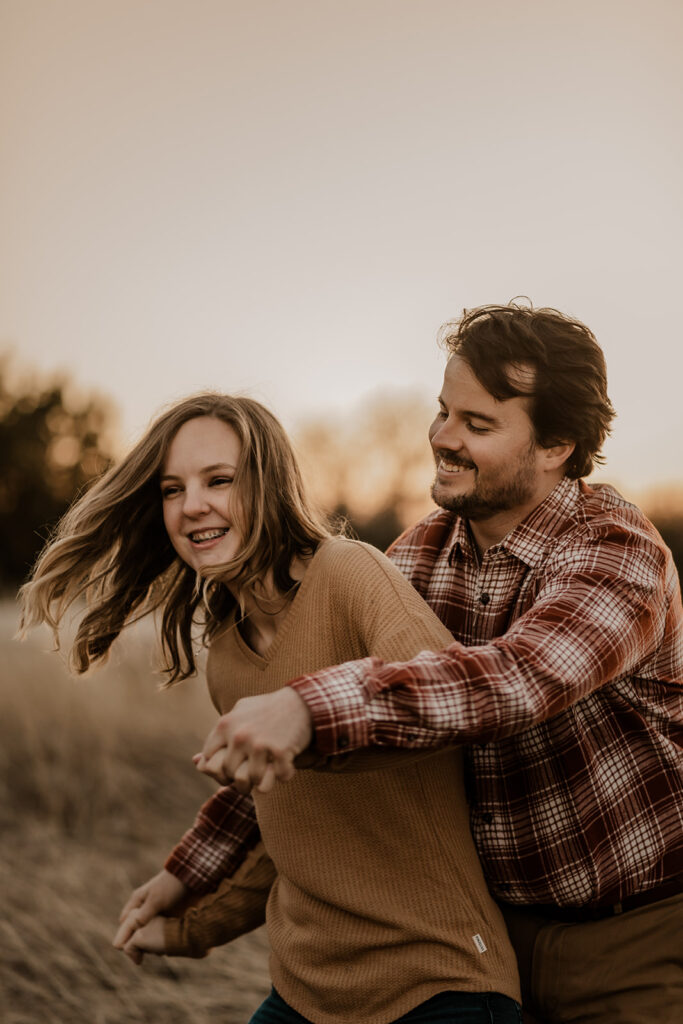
487, 459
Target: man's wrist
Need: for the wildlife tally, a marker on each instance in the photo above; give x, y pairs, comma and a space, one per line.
337, 709
196, 883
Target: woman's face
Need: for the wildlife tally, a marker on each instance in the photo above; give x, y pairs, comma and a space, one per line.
197, 492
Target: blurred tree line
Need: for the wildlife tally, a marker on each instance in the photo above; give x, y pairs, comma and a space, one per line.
51, 446
376, 469
373, 468
669, 522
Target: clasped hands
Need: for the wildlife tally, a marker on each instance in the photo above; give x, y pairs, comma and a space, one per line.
255, 744
252, 746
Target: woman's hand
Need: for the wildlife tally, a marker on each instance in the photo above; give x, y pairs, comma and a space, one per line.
159, 894
148, 939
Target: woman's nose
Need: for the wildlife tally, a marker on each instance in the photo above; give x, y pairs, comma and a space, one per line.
195, 502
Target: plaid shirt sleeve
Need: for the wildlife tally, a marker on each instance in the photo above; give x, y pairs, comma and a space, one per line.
600, 612
223, 834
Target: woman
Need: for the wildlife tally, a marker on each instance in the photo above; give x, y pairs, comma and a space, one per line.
379, 911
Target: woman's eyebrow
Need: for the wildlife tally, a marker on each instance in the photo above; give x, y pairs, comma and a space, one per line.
204, 469
218, 465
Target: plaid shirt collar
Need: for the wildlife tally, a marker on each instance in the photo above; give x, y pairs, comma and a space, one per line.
531, 539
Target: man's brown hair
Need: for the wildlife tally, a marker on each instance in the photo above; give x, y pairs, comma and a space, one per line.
568, 388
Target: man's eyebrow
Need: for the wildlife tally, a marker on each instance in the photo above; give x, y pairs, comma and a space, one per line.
472, 414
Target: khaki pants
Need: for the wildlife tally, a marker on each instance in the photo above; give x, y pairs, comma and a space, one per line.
626, 969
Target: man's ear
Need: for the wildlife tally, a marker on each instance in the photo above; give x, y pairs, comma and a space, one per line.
556, 455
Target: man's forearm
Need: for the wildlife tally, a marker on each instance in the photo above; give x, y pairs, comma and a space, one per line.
580, 636
214, 848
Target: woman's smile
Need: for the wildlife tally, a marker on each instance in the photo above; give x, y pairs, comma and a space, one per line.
205, 537
199, 502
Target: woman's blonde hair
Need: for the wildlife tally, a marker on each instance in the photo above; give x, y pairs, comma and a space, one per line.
112, 545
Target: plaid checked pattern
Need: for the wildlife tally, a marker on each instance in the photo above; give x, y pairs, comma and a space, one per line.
565, 682
223, 834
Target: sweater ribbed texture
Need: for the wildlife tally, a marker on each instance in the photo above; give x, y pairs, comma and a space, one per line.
379, 901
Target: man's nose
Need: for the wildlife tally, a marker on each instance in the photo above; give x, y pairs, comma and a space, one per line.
447, 435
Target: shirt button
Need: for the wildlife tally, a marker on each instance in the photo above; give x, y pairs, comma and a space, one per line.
484, 598
411, 737
487, 818
343, 741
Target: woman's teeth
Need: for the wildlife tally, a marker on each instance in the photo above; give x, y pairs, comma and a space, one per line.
202, 535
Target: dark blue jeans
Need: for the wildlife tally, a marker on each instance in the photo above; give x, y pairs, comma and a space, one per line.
446, 1008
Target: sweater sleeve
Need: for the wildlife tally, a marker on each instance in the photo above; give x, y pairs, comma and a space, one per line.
395, 624
385, 611
236, 907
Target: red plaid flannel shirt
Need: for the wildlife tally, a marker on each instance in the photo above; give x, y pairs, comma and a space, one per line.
565, 680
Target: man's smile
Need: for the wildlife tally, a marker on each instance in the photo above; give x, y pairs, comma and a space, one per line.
450, 464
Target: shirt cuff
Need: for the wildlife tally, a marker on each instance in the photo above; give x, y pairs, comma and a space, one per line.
198, 880
337, 702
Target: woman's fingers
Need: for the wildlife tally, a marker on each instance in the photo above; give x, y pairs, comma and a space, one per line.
148, 939
259, 738
214, 766
127, 928
268, 781
256, 771
136, 899
159, 894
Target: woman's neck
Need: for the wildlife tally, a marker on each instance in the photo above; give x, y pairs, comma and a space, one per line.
265, 608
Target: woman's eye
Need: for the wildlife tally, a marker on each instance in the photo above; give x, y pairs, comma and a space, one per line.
218, 481
169, 492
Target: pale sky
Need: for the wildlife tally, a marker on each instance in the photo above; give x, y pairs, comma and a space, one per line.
287, 197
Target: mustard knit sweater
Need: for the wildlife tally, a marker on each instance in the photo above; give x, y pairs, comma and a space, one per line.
379, 901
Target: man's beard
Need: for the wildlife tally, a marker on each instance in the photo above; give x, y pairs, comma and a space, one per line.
482, 501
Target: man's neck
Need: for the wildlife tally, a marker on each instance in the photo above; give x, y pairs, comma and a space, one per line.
492, 530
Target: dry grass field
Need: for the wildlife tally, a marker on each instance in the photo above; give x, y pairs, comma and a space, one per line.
97, 784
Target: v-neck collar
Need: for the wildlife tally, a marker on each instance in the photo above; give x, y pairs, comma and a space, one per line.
263, 660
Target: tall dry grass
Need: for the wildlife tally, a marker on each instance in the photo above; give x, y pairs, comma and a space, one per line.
96, 785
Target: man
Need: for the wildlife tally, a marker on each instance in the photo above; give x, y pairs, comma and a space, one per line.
564, 680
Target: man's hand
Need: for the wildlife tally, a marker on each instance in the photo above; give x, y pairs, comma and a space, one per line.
256, 743
148, 939
157, 895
